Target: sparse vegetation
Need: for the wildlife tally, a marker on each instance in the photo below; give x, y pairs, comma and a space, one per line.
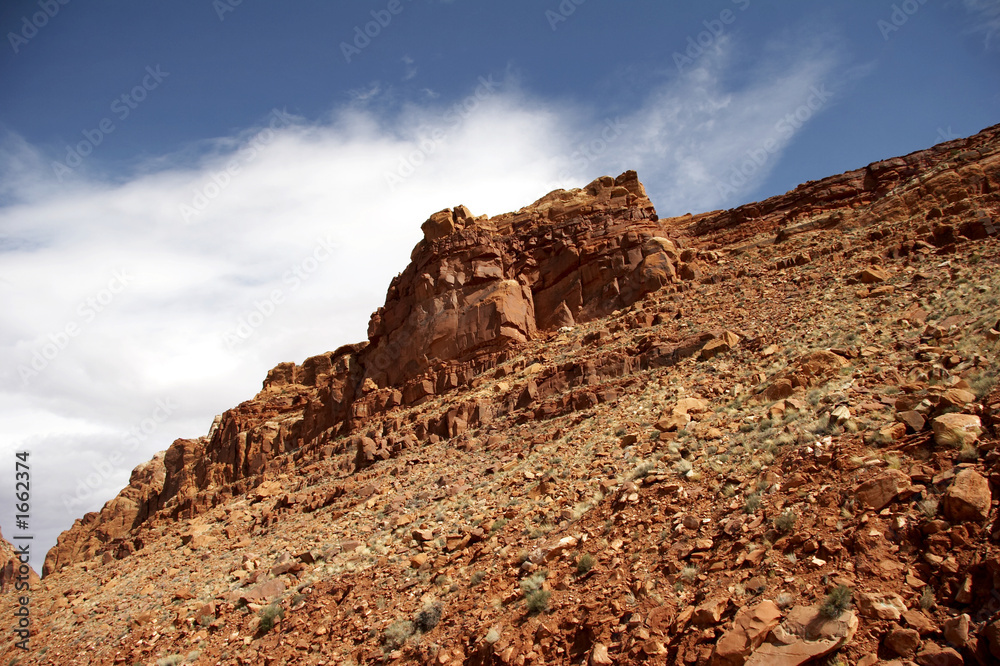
537, 601
838, 601
785, 521
752, 503
928, 507
477, 578
585, 563
689, 574
428, 617
927, 600
171, 660
269, 615
396, 634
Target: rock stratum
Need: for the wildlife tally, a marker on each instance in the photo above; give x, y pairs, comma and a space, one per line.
580, 433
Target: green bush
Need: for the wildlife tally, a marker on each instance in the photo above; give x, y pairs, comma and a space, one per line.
786, 521
585, 563
268, 614
836, 602
537, 601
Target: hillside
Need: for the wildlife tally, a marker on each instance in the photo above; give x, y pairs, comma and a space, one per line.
579, 433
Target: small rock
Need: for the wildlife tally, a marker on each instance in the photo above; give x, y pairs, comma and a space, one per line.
873, 275
968, 498
803, 636
913, 420
710, 611
883, 489
935, 655
779, 390
956, 630
599, 656
956, 430
991, 633
880, 606
422, 535
915, 619
750, 627
904, 642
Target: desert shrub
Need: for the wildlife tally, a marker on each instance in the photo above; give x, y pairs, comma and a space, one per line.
836, 602
268, 614
394, 636
786, 521
477, 578
585, 563
752, 503
428, 617
537, 601
172, 660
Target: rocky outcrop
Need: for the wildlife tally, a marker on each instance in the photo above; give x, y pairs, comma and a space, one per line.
478, 284
945, 186
475, 289
640, 445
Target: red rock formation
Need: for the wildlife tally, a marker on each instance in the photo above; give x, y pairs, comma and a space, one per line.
476, 285
476, 288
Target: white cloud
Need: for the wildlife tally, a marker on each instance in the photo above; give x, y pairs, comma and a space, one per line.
409, 67
360, 182
988, 16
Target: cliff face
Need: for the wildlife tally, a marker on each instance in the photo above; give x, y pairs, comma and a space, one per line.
730, 414
474, 290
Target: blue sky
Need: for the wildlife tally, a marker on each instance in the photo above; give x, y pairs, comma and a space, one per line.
193, 192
